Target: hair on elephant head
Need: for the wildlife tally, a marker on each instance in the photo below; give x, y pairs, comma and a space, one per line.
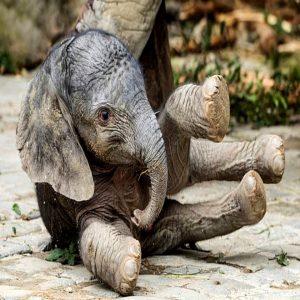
89, 96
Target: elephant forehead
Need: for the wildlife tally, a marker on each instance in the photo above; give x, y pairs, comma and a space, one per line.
98, 59
124, 90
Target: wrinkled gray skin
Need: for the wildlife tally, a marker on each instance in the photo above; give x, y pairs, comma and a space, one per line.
104, 182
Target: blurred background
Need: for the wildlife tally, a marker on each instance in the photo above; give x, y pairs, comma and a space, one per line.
254, 44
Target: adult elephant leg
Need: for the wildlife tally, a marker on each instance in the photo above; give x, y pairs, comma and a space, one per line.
109, 251
179, 224
231, 160
200, 111
130, 21
156, 63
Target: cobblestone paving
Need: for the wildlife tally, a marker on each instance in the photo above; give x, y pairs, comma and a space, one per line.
237, 266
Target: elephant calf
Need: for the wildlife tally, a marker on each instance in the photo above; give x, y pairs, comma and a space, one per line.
103, 163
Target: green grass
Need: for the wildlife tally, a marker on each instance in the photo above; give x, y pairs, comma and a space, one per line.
6, 63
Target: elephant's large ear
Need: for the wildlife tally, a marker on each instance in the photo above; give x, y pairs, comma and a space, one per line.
49, 147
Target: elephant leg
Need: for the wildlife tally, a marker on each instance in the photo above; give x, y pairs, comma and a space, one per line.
155, 62
109, 251
58, 217
184, 223
231, 160
200, 111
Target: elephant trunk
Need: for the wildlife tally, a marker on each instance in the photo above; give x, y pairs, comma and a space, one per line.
151, 152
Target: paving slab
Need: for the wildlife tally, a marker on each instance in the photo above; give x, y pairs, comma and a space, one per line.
240, 265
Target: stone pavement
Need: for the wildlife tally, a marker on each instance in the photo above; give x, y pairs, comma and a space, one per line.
237, 266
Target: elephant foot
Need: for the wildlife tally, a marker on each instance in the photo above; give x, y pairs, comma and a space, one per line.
270, 158
111, 254
129, 269
252, 198
216, 107
200, 111
189, 223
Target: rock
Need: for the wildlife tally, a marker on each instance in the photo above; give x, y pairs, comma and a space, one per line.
13, 293
57, 283
8, 248
21, 227
78, 274
33, 26
180, 293
100, 290
31, 265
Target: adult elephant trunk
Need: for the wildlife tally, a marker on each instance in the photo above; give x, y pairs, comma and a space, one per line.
150, 150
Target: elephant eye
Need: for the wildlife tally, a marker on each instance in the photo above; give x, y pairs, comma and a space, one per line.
104, 116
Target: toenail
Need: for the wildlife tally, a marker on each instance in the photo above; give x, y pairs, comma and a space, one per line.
130, 268
277, 142
135, 250
210, 86
278, 165
250, 184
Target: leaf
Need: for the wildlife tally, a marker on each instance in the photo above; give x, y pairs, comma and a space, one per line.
64, 256
282, 259
16, 209
71, 259
55, 254
282, 101
275, 100
222, 27
249, 87
251, 98
14, 230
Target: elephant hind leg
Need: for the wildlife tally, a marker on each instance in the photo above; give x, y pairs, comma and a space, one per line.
58, 217
180, 224
231, 160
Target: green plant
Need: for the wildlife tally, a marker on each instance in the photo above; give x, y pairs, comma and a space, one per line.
65, 256
14, 230
6, 63
251, 101
206, 36
16, 209
282, 259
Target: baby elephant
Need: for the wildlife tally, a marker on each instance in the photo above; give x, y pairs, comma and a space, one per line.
103, 163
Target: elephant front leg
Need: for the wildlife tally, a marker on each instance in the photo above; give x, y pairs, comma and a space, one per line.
231, 160
179, 224
200, 111
111, 254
